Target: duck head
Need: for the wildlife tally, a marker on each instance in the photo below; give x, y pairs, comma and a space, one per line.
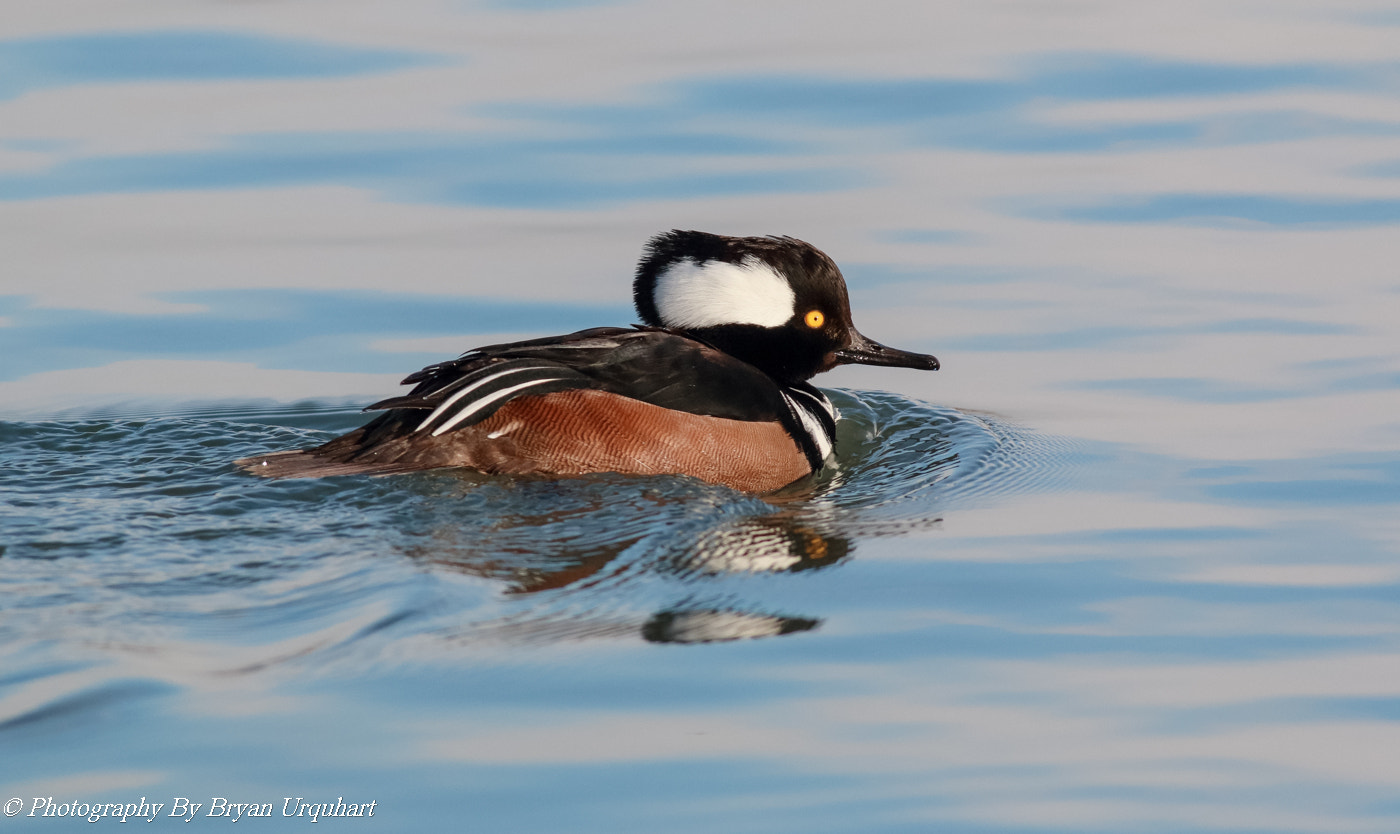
778, 303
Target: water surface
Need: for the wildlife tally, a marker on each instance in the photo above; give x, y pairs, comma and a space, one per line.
1129, 562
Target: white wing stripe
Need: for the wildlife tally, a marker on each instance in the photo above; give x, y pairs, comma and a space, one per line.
485, 401
448, 403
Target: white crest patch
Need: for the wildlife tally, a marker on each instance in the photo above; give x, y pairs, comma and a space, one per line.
691, 295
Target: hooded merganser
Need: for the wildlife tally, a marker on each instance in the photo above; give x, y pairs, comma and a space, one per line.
713, 385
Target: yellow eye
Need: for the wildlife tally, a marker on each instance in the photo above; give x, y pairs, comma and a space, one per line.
815, 319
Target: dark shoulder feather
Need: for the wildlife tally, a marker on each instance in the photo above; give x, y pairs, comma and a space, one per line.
653, 365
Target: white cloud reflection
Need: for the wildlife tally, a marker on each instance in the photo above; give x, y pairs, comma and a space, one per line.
139, 383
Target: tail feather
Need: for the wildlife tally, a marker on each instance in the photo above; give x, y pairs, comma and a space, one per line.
306, 463
378, 448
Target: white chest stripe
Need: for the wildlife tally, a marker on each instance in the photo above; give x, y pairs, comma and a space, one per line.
485, 401
709, 294
813, 426
821, 401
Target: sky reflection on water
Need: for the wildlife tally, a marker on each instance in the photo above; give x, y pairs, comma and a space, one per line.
1157, 592
31, 64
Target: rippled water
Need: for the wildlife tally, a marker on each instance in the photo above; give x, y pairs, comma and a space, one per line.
604, 555
1128, 562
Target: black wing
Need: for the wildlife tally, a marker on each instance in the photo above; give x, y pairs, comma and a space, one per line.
649, 364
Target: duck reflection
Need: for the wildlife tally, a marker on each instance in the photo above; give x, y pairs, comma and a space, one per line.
592, 559
765, 544
712, 626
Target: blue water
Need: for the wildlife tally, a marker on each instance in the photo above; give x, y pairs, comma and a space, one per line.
1128, 563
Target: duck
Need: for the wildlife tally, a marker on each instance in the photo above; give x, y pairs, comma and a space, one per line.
713, 384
